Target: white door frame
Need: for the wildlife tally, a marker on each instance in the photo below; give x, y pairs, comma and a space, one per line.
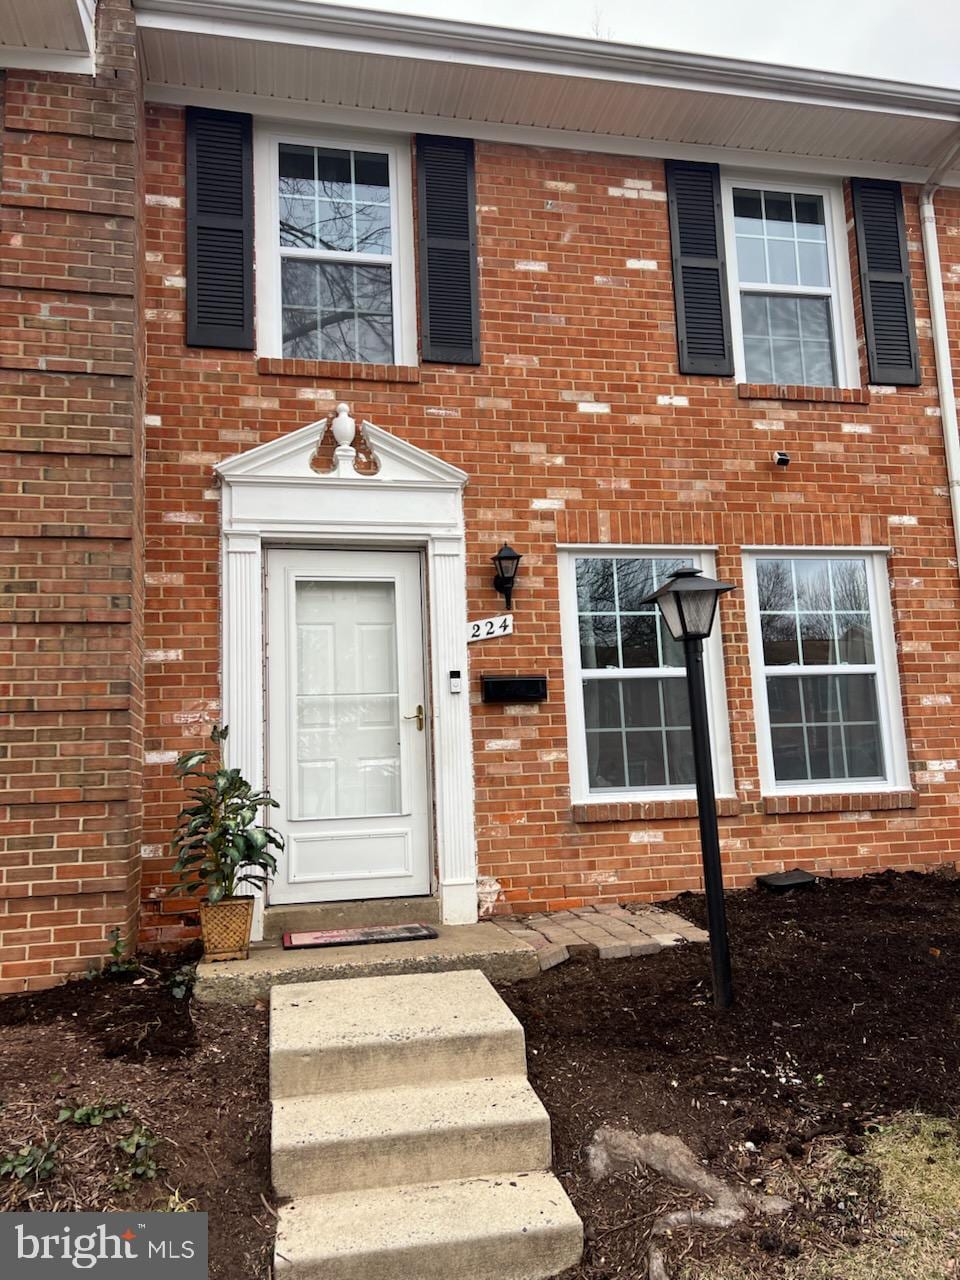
274, 495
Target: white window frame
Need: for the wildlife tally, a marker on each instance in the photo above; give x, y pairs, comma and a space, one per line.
580, 792
893, 739
840, 291
266, 161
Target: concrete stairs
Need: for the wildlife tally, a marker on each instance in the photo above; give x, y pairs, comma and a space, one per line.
408, 1136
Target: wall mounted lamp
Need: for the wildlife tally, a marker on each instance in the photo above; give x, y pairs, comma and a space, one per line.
506, 563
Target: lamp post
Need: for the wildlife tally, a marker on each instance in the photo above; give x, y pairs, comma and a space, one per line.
688, 602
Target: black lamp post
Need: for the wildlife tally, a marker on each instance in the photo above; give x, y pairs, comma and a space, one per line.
688, 602
507, 562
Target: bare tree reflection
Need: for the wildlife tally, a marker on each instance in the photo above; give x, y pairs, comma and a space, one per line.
335, 201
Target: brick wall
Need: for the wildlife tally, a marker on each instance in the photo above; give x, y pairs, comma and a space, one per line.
72, 479
576, 428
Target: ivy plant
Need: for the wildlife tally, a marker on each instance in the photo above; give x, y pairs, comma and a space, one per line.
219, 843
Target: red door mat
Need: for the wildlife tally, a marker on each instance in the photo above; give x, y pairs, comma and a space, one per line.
358, 937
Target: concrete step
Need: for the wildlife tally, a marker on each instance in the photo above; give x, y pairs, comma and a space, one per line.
376, 1033
517, 1227
348, 915
500, 956
390, 1137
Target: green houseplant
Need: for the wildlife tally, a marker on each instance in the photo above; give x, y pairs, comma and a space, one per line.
221, 847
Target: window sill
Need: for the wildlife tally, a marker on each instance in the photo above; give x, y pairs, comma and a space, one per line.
822, 395
648, 810
840, 801
284, 368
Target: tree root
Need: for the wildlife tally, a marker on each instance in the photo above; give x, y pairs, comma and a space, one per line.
621, 1150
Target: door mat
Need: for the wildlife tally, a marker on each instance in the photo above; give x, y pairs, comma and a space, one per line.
358, 937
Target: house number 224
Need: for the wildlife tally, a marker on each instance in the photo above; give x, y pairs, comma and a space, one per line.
487, 628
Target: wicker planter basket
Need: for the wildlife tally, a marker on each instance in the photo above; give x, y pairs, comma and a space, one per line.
226, 928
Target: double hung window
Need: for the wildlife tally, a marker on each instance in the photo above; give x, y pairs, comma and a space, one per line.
628, 711
826, 676
334, 250
790, 303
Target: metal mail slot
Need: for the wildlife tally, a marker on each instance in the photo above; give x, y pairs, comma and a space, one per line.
514, 688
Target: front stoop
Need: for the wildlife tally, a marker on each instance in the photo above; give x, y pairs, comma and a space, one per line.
502, 958
408, 1136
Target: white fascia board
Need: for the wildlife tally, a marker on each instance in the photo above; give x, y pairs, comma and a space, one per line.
402, 36
77, 64
289, 111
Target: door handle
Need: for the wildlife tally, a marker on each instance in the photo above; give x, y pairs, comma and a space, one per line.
418, 716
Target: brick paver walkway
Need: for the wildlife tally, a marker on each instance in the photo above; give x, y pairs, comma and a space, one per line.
609, 932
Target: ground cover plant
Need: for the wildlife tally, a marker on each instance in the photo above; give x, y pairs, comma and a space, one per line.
835, 1082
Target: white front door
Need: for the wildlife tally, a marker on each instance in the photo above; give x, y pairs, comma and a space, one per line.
347, 741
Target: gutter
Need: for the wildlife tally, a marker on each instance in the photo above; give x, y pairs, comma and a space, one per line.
940, 333
543, 51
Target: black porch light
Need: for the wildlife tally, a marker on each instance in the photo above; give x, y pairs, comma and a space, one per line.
506, 563
688, 602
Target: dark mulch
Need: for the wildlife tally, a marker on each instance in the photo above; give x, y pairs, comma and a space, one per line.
196, 1077
848, 1010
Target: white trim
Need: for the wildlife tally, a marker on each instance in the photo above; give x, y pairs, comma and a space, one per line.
529, 135
266, 141
580, 792
840, 289
272, 495
421, 36
897, 775
635, 548
75, 64
840, 549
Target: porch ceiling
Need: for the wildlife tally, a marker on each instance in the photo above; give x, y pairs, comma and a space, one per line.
453, 77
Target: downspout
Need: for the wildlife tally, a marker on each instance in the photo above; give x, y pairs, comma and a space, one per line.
939, 333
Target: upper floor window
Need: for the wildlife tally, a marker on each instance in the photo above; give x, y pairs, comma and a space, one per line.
334, 250
789, 275
627, 708
825, 672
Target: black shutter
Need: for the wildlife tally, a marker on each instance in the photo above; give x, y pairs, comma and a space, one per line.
447, 217
219, 229
888, 318
699, 268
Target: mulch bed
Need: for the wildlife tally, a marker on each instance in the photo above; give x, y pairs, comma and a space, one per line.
194, 1076
848, 1010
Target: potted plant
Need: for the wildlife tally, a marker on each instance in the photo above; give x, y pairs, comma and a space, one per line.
220, 847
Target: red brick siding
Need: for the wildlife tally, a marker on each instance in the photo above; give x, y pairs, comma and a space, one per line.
587, 329
72, 477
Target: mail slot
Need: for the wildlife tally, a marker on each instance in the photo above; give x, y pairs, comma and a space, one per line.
514, 688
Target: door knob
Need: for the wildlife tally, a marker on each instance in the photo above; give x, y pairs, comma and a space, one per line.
418, 716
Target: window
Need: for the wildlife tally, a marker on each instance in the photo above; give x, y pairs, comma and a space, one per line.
334, 250
790, 279
828, 699
627, 709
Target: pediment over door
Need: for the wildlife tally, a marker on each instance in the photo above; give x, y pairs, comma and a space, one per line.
293, 459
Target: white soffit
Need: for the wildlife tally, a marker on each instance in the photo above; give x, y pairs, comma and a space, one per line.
292, 57
47, 35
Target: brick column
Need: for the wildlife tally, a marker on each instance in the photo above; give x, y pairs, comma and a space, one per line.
71, 420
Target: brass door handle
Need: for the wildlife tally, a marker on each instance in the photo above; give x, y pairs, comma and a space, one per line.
418, 716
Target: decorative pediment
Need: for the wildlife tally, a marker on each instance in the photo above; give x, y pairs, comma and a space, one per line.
293, 459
